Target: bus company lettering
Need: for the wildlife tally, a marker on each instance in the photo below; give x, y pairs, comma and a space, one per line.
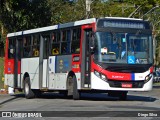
27, 114
116, 76
34, 115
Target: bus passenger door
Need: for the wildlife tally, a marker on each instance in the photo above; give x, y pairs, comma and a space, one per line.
17, 62
43, 61
86, 59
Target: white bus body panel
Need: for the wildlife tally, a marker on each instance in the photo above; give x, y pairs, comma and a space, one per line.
19, 81
60, 81
31, 66
57, 81
9, 80
45, 74
51, 63
78, 77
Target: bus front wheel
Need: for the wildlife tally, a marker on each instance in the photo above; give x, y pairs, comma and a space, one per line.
27, 89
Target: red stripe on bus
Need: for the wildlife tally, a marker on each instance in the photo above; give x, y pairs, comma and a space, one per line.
9, 63
9, 66
112, 75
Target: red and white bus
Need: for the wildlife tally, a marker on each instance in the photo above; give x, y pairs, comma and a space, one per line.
112, 55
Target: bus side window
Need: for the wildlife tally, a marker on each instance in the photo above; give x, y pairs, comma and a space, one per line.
55, 38
55, 51
63, 48
11, 49
35, 52
75, 44
27, 52
65, 43
35, 46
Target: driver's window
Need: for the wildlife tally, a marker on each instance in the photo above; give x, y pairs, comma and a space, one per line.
11, 48
106, 43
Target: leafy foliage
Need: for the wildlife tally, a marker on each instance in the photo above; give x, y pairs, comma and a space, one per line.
18, 15
27, 14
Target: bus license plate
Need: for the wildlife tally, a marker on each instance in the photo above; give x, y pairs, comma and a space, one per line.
126, 85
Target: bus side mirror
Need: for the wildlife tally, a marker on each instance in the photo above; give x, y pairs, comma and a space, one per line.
11, 51
92, 47
92, 43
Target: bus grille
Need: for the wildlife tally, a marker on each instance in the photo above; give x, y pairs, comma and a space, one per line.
118, 84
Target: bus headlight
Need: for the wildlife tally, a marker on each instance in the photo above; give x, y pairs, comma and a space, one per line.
147, 78
97, 73
100, 75
103, 77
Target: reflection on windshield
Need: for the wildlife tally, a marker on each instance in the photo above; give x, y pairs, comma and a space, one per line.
123, 48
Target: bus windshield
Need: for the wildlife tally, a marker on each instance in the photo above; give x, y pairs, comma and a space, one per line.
127, 48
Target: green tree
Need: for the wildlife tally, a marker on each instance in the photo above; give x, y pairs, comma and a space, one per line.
62, 11
17, 15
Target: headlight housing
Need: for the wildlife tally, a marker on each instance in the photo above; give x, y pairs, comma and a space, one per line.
147, 78
100, 75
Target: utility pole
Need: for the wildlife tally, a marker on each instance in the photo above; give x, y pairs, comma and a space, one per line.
88, 7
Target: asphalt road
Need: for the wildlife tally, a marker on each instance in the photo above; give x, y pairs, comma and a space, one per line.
139, 105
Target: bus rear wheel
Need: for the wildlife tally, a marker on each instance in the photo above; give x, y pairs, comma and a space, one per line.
27, 89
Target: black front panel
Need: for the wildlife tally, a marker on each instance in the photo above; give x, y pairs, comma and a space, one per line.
125, 68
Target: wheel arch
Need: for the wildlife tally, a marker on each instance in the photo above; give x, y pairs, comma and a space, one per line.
71, 73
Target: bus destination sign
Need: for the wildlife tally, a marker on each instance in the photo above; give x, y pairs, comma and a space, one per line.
121, 24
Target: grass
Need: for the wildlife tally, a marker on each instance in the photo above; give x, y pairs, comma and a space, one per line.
1, 72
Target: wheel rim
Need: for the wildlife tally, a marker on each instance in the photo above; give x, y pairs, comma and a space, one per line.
26, 89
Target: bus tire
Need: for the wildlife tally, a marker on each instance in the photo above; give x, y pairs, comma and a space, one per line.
27, 89
123, 96
76, 93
